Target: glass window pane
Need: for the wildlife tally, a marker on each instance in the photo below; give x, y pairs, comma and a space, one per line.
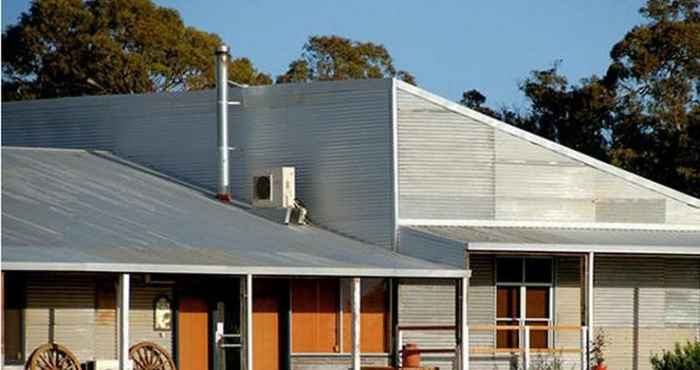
510, 270
508, 302
538, 270
538, 338
537, 303
507, 338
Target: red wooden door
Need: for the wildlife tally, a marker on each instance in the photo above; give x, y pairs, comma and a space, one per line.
193, 334
267, 304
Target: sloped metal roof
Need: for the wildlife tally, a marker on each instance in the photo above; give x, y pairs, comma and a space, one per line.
569, 239
76, 210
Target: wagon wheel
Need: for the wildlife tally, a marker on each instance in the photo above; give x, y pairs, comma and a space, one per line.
52, 356
150, 356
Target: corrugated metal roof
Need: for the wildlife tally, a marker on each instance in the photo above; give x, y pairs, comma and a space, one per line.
568, 239
90, 211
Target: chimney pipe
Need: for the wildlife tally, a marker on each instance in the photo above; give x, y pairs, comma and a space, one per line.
223, 191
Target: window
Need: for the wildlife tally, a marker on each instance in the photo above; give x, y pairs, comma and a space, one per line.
322, 316
523, 297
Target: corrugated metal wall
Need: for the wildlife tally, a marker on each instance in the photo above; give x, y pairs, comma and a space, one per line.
141, 315
428, 303
106, 318
60, 308
452, 166
568, 301
645, 305
172, 133
482, 309
79, 311
337, 135
446, 168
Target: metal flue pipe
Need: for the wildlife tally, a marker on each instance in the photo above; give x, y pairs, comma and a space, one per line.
223, 189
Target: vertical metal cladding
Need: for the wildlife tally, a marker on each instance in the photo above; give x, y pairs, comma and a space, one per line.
445, 164
338, 137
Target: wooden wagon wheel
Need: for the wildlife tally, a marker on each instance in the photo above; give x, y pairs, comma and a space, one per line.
52, 356
150, 356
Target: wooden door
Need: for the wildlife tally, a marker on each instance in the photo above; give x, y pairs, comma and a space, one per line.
267, 307
193, 334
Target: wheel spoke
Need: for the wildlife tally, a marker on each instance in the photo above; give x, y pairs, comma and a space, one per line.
150, 356
42, 357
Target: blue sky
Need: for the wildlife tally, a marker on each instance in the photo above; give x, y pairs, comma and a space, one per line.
450, 46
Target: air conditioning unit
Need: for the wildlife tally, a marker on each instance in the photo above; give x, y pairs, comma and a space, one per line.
274, 188
103, 365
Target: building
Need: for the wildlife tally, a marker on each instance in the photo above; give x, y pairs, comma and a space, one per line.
87, 236
553, 239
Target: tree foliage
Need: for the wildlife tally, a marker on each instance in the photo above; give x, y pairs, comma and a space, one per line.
336, 58
681, 358
643, 115
656, 76
74, 47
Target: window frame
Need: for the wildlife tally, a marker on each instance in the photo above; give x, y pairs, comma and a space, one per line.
522, 320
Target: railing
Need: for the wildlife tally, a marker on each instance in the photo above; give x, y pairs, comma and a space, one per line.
403, 328
524, 339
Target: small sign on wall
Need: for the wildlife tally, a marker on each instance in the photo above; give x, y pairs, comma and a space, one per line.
162, 314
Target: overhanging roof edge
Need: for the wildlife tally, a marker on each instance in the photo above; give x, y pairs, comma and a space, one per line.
580, 248
234, 270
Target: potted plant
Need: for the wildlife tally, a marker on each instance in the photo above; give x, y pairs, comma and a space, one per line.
596, 351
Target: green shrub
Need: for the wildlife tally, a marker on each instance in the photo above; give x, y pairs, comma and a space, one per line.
681, 358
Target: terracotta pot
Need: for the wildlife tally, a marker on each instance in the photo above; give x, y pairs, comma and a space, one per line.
410, 356
600, 366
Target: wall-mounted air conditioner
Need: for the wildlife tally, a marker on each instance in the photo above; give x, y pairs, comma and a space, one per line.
274, 188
